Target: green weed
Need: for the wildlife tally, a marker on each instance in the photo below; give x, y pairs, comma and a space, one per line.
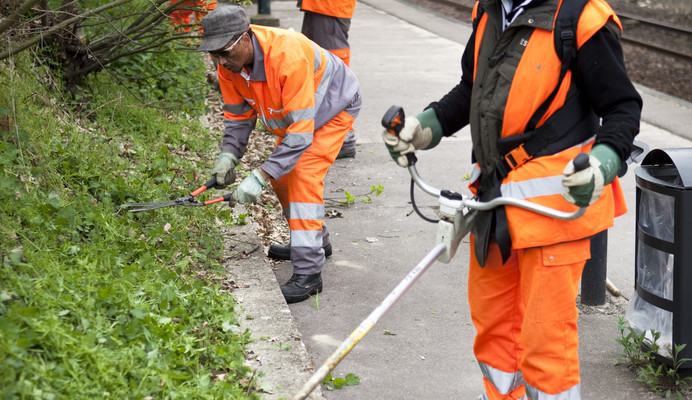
315, 301
640, 349
337, 383
365, 198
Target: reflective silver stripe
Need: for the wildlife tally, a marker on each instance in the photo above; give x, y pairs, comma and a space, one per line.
231, 123
484, 397
533, 187
306, 238
326, 77
573, 393
290, 118
504, 382
298, 139
305, 114
307, 211
475, 173
545, 186
237, 109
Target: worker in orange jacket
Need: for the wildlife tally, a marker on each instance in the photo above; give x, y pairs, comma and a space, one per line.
531, 113
327, 22
182, 17
309, 99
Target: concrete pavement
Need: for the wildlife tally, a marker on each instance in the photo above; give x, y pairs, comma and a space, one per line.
422, 348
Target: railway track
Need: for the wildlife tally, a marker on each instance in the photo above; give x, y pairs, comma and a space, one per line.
653, 35
657, 36
657, 54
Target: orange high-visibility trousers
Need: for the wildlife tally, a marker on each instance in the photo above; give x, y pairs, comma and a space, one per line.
525, 316
326, 31
301, 194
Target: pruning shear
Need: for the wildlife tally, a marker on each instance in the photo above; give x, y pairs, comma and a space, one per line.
185, 201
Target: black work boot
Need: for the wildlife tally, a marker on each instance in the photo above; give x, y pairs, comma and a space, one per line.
346, 153
348, 147
301, 287
283, 251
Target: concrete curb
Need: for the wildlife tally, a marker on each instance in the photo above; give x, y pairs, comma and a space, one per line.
277, 352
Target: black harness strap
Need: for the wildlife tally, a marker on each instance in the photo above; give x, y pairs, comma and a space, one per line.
565, 39
572, 124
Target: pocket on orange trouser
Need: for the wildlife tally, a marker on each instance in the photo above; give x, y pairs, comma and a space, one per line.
549, 334
525, 312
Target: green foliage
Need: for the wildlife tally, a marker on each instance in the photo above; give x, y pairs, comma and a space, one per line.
350, 199
316, 301
337, 383
173, 78
169, 79
376, 189
640, 349
96, 302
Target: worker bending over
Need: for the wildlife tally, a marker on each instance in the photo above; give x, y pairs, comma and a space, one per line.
306, 96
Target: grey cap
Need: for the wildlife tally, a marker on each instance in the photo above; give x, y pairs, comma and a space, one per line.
221, 25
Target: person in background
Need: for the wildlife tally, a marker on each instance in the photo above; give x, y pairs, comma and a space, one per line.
182, 19
326, 22
306, 96
531, 113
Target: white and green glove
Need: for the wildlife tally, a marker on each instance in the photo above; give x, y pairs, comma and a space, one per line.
224, 170
423, 131
584, 187
249, 190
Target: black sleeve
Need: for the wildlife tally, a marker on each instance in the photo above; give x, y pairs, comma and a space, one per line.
602, 75
453, 109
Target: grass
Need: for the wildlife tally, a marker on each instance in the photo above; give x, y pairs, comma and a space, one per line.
96, 302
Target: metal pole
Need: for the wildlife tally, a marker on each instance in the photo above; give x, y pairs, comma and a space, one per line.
368, 322
593, 279
263, 7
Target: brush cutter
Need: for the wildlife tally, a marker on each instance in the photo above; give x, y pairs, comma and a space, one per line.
457, 218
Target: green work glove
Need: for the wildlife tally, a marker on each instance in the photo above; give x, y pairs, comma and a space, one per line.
585, 186
420, 132
224, 170
249, 190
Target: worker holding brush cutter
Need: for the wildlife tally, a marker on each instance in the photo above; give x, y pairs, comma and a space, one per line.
534, 84
306, 96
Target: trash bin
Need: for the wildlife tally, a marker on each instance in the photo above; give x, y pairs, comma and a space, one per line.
663, 251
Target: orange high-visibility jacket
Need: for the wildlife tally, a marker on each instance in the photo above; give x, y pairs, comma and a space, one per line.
334, 8
294, 87
182, 15
534, 75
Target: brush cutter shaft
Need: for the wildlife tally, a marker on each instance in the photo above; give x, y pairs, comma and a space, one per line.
457, 217
369, 322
